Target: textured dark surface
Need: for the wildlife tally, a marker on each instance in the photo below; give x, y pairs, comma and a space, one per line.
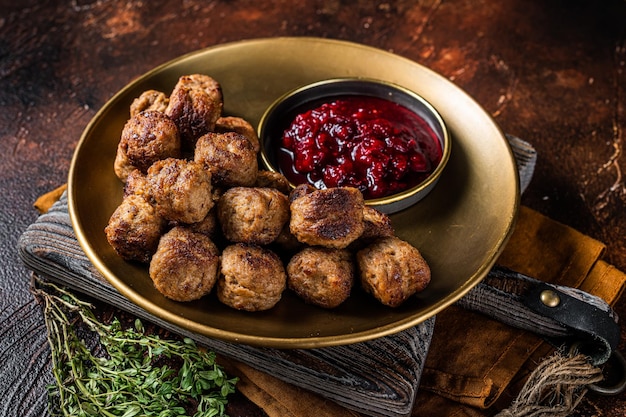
549, 72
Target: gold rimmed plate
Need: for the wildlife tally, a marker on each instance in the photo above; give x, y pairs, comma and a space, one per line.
460, 227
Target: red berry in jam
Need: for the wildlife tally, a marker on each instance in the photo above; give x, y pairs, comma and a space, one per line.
419, 163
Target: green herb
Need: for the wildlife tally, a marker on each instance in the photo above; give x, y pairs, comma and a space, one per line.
127, 373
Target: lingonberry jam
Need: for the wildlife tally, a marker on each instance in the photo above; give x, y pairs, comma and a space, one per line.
365, 142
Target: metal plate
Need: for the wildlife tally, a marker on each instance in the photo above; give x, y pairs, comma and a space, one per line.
460, 227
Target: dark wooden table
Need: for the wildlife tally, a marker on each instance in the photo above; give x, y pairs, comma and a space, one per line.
551, 72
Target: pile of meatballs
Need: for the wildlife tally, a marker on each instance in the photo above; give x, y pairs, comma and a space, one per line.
202, 215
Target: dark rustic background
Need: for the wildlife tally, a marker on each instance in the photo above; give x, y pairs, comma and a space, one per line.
551, 72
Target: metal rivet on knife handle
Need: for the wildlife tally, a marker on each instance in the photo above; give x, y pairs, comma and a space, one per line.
550, 298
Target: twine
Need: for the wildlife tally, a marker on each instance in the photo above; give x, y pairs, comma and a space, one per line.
555, 387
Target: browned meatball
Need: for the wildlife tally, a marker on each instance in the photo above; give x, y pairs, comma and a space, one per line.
392, 270
252, 278
207, 226
195, 105
134, 229
271, 179
236, 124
185, 265
137, 184
321, 276
229, 157
149, 100
331, 217
146, 138
286, 243
181, 189
376, 225
252, 215
122, 165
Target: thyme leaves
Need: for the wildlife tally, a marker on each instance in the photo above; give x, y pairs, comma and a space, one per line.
126, 372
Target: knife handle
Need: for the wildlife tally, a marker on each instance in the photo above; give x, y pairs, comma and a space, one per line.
563, 316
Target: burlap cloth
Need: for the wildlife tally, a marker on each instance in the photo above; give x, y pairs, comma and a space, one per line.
476, 365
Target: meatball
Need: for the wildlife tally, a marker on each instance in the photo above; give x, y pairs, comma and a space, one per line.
236, 124
185, 265
252, 215
134, 229
149, 100
375, 225
331, 217
146, 138
252, 278
271, 179
181, 189
122, 165
321, 276
229, 157
195, 105
207, 226
392, 270
137, 184
286, 243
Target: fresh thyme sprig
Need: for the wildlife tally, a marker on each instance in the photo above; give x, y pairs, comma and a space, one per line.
128, 373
